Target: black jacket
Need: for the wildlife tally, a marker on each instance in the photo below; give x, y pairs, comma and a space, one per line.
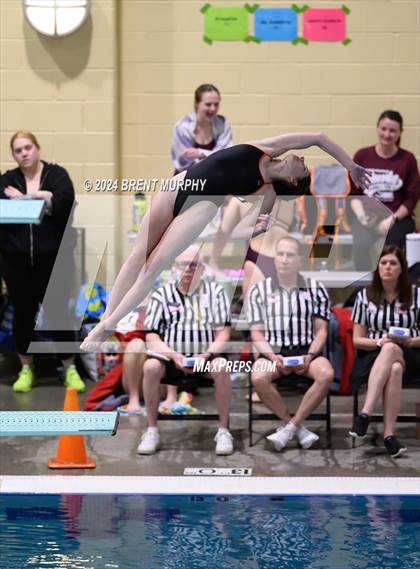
46, 237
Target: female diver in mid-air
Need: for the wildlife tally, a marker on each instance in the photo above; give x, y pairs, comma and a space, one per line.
176, 218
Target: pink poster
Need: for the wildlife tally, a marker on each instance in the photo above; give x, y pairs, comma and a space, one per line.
324, 24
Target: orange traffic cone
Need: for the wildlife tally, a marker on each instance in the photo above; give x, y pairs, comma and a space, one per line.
71, 451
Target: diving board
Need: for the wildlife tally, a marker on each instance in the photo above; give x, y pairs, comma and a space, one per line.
54, 423
22, 211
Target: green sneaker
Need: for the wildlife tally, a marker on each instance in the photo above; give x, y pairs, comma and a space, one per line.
25, 380
74, 380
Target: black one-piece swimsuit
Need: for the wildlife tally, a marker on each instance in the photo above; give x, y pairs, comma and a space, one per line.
233, 171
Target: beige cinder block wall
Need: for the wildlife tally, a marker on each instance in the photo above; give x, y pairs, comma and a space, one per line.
151, 53
64, 90
269, 88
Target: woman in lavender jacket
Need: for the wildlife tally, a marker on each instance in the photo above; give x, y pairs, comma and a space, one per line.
202, 132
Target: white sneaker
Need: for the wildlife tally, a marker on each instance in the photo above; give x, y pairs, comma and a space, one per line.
224, 442
305, 437
149, 441
281, 437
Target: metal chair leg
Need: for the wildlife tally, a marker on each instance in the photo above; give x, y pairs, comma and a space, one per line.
328, 419
250, 411
355, 413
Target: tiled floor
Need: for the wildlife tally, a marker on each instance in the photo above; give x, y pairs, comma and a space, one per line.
190, 444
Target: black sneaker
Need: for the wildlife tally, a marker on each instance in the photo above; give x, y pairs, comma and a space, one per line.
393, 447
360, 425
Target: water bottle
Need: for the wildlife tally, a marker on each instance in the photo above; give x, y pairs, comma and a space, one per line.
139, 209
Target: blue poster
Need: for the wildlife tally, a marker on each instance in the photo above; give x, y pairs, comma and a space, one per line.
276, 24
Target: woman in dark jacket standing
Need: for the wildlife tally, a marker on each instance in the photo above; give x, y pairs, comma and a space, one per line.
30, 251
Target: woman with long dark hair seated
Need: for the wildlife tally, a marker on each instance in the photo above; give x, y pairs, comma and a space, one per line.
387, 211
383, 359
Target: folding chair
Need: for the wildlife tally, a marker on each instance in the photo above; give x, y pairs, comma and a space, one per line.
324, 218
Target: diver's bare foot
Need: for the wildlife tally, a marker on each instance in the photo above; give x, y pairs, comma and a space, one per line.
95, 338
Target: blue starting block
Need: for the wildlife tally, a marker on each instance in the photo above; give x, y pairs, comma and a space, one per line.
54, 423
22, 211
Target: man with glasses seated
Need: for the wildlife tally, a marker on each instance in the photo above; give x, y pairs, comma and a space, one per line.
187, 320
289, 319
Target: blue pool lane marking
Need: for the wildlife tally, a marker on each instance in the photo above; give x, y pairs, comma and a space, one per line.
54, 423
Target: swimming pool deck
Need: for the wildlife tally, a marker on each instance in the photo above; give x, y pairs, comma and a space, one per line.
187, 444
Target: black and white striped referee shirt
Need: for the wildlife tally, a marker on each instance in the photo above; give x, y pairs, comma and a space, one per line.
287, 316
378, 319
187, 323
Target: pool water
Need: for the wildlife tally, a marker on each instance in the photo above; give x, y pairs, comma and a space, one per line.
206, 532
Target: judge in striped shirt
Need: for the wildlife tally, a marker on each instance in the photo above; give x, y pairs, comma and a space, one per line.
386, 334
189, 317
289, 317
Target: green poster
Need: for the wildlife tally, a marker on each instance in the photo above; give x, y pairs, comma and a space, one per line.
226, 24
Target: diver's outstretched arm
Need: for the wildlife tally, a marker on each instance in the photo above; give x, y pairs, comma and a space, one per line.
278, 145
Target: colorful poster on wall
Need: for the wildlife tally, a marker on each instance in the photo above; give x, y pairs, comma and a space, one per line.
275, 24
226, 24
325, 25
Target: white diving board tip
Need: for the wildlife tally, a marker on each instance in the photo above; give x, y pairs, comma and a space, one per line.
22, 211
54, 423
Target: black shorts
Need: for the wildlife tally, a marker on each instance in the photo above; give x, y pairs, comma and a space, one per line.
174, 376
365, 359
298, 351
